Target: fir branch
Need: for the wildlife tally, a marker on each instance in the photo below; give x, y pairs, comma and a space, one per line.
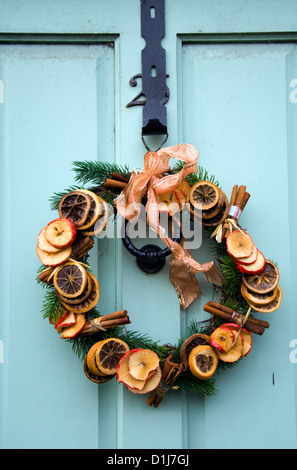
96, 172
189, 383
55, 199
200, 175
51, 307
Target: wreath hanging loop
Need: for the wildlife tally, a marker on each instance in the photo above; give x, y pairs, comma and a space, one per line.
244, 281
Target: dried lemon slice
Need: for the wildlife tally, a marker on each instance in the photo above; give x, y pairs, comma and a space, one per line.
204, 195
203, 361
94, 212
75, 206
263, 282
70, 279
87, 304
104, 356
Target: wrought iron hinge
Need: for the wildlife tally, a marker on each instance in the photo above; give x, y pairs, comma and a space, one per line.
155, 93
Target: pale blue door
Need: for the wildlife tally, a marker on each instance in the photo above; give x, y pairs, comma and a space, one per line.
64, 85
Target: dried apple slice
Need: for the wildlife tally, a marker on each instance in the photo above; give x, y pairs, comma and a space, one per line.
60, 233
142, 362
75, 206
151, 383
71, 331
239, 244
173, 201
53, 259
234, 353
249, 259
254, 268
246, 335
69, 320
222, 339
123, 373
263, 282
70, 279
44, 245
203, 361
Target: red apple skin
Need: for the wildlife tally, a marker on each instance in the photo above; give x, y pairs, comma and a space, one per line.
42, 255
61, 320
216, 345
73, 231
247, 269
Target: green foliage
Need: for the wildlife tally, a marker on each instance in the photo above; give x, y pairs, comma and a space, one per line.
96, 172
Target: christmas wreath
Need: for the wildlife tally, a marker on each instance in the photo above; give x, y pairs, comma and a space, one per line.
244, 281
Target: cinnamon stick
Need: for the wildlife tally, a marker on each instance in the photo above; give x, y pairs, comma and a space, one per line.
110, 183
259, 330
239, 196
115, 322
230, 311
82, 247
112, 316
116, 176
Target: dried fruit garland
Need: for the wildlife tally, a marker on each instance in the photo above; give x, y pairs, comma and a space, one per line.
248, 282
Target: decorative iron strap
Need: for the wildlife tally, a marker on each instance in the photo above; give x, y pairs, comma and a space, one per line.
154, 88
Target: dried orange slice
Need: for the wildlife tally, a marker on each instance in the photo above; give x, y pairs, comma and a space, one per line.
75, 206
204, 195
89, 303
173, 201
197, 339
70, 279
94, 212
104, 356
101, 222
263, 282
203, 362
272, 306
79, 298
258, 299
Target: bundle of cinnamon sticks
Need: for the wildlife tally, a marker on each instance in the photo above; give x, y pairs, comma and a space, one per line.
230, 316
238, 200
170, 373
104, 322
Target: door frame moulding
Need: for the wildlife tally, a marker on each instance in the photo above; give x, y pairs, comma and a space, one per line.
58, 38
230, 38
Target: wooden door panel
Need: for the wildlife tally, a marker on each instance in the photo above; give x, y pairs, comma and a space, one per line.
236, 106
54, 112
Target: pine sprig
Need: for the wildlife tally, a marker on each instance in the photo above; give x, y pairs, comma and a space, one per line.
96, 172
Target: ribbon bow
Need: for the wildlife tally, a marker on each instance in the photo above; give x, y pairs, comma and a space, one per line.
152, 183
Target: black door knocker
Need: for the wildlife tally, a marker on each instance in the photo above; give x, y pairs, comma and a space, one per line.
150, 258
